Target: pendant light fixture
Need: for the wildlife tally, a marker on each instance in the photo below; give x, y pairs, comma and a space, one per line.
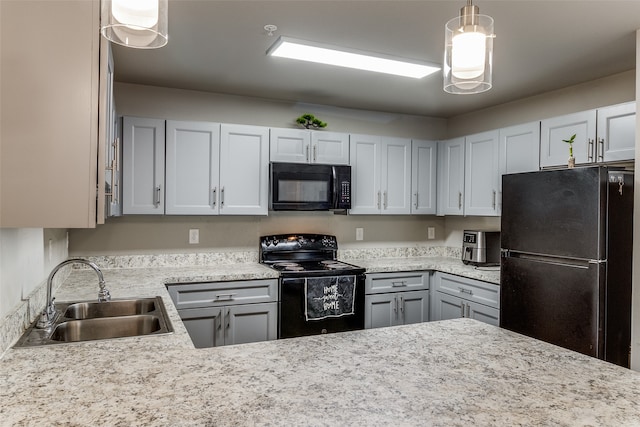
468, 53
140, 24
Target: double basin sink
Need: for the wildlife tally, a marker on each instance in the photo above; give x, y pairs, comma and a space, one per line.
92, 320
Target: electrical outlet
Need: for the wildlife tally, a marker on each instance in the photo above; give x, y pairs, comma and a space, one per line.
194, 236
431, 233
359, 233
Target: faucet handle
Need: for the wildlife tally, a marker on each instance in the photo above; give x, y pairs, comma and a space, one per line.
103, 294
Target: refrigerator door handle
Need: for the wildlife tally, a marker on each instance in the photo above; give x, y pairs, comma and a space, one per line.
554, 260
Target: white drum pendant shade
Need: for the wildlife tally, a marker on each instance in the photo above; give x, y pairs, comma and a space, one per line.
141, 24
468, 54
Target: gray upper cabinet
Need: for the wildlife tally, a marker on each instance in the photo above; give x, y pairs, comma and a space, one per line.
192, 168
555, 152
520, 148
482, 174
616, 129
381, 175
304, 146
603, 135
424, 161
244, 170
143, 148
451, 177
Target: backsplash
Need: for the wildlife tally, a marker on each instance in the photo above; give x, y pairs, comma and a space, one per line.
212, 258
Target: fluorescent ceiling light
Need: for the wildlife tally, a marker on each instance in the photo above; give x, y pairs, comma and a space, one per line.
286, 47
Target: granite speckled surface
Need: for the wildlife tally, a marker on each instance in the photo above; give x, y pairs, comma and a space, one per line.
450, 373
439, 263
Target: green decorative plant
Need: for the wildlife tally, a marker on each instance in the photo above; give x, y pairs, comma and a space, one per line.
570, 142
309, 121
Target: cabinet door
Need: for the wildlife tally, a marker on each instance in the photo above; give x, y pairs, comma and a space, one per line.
451, 177
143, 166
423, 176
555, 152
616, 133
107, 137
445, 307
250, 323
330, 148
192, 168
244, 170
481, 174
365, 174
413, 306
50, 153
289, 145
204, 325
396, 176
520, 148
381, 310
483, 313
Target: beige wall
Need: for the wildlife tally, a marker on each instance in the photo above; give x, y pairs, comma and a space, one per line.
598, 93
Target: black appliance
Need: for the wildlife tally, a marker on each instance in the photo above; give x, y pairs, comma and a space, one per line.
317, 293
566, 259
304, 187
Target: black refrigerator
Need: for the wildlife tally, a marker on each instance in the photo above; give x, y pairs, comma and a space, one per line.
566, 259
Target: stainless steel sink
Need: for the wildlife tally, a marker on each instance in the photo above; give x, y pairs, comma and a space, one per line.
92, 320
105, 328
92, 310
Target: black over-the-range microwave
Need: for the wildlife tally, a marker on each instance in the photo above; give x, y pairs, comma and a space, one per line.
310, 187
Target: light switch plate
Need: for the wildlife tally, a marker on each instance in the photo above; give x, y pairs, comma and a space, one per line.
359, 233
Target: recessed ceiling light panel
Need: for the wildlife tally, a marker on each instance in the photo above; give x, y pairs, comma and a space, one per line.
286, 47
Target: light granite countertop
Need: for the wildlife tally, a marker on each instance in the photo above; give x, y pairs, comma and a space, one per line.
449, 373
439, 263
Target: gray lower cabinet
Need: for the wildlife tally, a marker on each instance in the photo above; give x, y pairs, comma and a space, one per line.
396, 299
224, 313
455, 297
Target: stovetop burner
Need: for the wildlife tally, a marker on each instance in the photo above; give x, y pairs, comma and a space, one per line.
300, 255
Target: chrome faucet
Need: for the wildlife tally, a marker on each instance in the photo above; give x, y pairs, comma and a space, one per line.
49, 314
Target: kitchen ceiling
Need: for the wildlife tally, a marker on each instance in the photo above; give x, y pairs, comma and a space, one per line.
219, 46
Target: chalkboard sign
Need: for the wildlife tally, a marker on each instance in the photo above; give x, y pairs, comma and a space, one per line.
329, 296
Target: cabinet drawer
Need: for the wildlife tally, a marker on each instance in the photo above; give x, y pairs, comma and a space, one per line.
468, 289
378, 283
214, 294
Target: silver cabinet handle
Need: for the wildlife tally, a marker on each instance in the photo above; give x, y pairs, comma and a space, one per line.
590, 148
465, 291
459, 199
215, 189
416, 196
222, 197
461, 309
395, 306
307, 149
399, 283
228, 318
217, 324
378, 199
385, 200
494, 199
468, 310
402, 304
225, 297
600, 150
156, 200
315, 150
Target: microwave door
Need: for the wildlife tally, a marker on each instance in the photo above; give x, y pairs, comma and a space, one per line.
293, 189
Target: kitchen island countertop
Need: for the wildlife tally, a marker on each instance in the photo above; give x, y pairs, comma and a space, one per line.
456, 372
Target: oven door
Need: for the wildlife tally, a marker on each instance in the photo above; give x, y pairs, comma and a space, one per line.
301, 187
292, 314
